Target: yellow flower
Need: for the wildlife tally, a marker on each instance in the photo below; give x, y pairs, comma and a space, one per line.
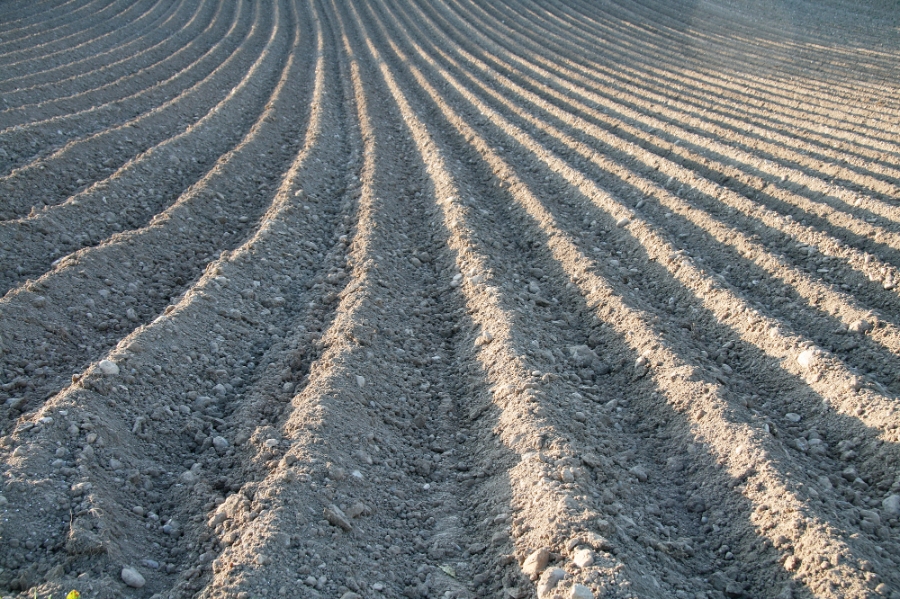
73, 595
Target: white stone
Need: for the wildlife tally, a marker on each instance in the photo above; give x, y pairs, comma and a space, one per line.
536, 562
583, 558
579, 591
807, 359
108, 367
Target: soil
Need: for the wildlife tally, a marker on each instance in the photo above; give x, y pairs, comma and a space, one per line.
507, 298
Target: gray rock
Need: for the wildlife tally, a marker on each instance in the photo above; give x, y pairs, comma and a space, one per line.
792, 417
336, 517
639, 472
220, 443
108, 367
859, 327
132, 578
891, 506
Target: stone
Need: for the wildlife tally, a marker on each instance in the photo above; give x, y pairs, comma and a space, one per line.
220, 443
891, 506
860, 327
351, 595
336, 517
535, 563
132, 578
639, 473
807, 359
358, 509
189, 477
792, 417
582, 356
549, 580
579, 591
108, 367
360, 380
621, 223
583, 557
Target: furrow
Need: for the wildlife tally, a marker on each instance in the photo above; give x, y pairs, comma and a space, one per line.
28, 143
195, 152
83, 162
24, 35
679, 91
93, 38
839, 302
762, 80
174, 443
18, 14
73, 80
579, 268
148, 268
658, 114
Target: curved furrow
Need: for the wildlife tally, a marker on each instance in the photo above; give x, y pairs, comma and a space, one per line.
85, 162
130, 278
740, 54
742, 102
23, 35
789, 151
666, 110
195, 153
579, 269
92, 74
782, 341
542, 120
764, 93
685, 176
561, 299
41, 138
18, 13
778, 39
93, 38
159, 434
363, 472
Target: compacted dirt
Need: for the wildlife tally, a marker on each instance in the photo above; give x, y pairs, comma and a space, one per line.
505, 298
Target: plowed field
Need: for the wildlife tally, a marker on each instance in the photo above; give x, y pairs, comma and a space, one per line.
454, 299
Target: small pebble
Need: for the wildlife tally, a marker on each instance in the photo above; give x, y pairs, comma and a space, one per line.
579, 591
859, 327
583, 558
792, 417
891, 506
220, 443
108, 367
807, 359
336, 517
536, 562
132, 578
621, 223
360, 380
639, 473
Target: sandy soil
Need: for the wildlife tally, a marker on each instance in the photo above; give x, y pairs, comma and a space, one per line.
503, 298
